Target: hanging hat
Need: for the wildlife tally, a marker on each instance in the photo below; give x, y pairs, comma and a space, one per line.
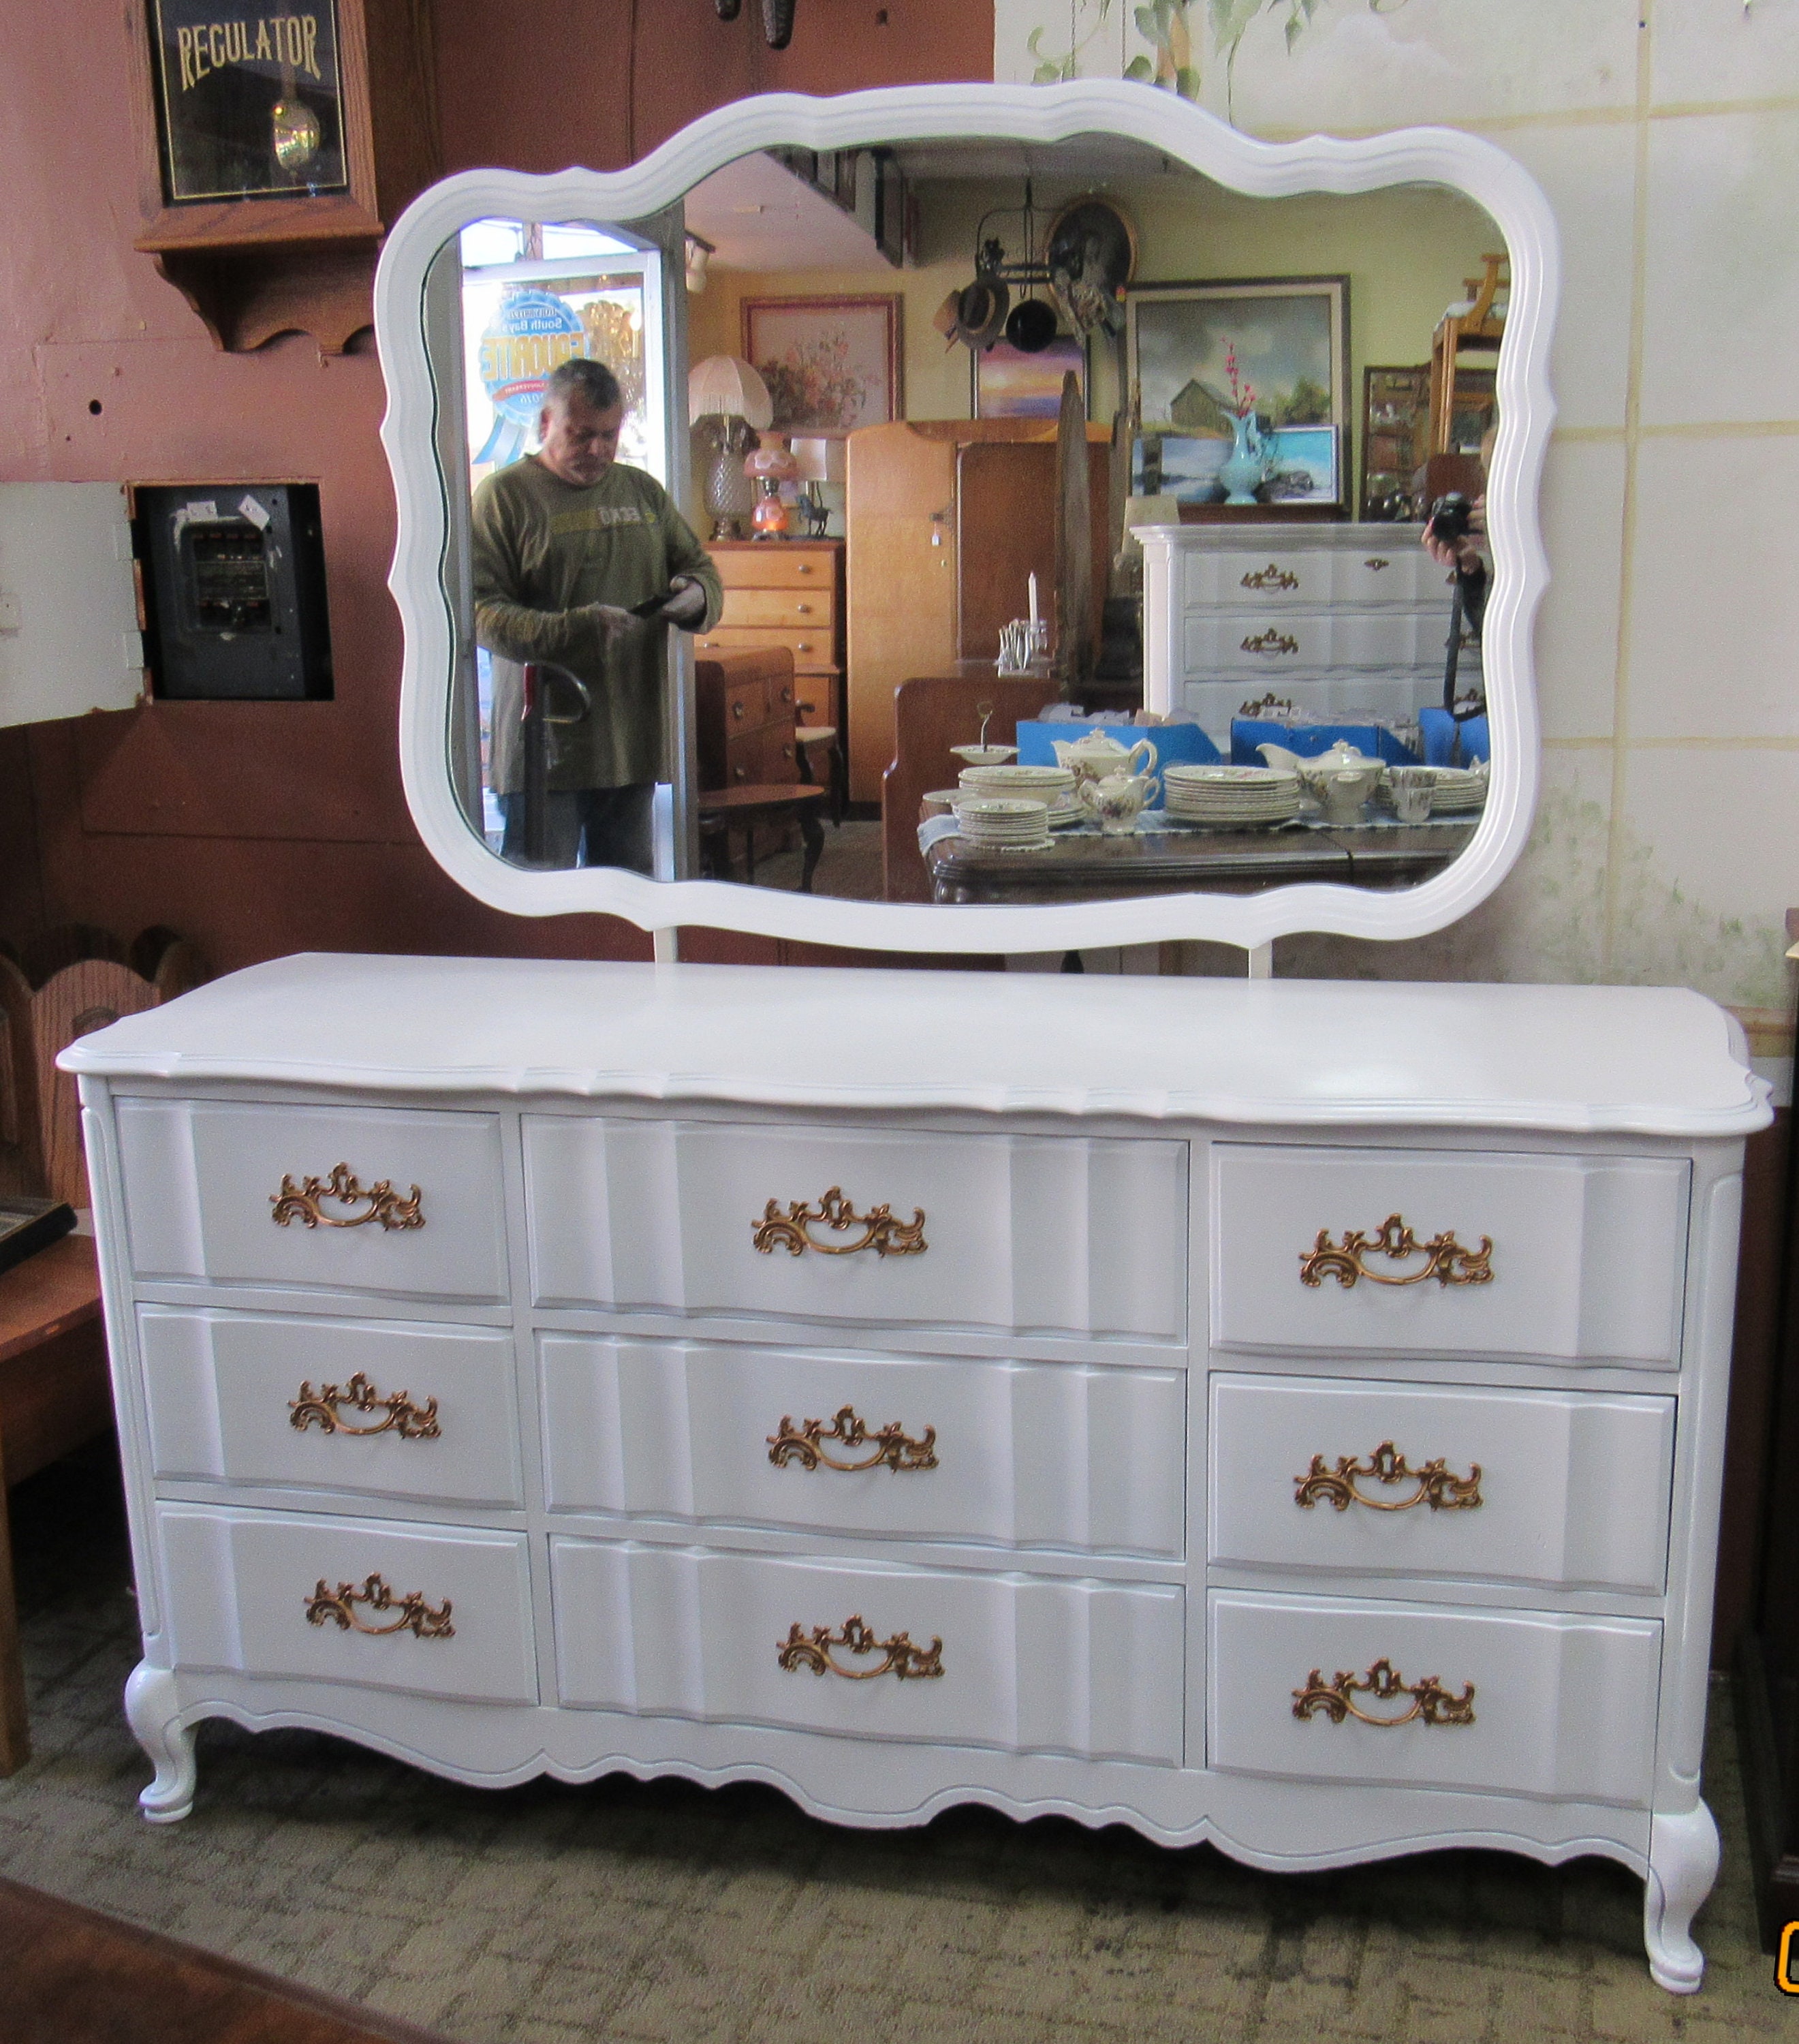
980, 311
1091, 256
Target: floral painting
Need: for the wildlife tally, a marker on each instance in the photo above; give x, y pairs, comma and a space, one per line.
830, 364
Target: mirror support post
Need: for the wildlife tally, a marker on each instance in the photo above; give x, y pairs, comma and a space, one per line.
667, 229
1261, 960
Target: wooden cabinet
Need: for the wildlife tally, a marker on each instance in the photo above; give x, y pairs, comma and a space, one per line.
1463, 393
948, 520
1137, 1470
785, 594
744, 719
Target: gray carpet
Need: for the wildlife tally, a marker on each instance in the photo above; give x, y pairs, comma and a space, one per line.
547, 1914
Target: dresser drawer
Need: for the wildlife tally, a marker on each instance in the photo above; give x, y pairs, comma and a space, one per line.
1395, 571
1053, 1455
762, 758
1068, 1235
789, 609
772, 565
813, 648
1587, 1257
241, 1584
376, 1408
1569, 1489
208, 1186
1026, 1664
749, 705
1562, 1707
1246, 643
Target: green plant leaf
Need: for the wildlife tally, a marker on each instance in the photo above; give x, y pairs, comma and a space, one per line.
1228, 19
1187, 81
1300, 14
1146, 25
1140, 69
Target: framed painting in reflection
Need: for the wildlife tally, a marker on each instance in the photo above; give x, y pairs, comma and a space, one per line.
1011, 384
831, 364
1203, 354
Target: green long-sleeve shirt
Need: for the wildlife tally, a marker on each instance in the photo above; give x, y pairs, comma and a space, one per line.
545, 552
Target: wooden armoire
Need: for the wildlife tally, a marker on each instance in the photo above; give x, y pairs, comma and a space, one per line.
947, 520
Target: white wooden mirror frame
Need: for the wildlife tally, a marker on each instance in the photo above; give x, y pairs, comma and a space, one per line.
1029, 113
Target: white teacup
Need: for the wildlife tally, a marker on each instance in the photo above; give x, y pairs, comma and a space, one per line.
1411, 787
1117, 800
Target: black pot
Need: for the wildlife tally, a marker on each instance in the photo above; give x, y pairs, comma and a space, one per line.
1031, 327
777, 23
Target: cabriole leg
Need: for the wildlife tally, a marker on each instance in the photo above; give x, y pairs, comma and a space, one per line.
152, 1710
1683, 1863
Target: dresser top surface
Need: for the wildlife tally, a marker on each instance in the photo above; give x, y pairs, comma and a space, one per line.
1294, 1053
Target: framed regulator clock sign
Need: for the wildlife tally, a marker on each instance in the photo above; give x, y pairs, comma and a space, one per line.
277, 138
249, 106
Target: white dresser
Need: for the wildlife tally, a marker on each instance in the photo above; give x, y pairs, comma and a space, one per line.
1285, 1414
1334, 619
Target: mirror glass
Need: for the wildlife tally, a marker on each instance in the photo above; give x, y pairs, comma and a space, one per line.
972, 521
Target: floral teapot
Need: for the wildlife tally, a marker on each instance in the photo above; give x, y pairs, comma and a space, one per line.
1099, 754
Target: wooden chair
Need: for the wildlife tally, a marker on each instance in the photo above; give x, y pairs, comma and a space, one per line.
932, 713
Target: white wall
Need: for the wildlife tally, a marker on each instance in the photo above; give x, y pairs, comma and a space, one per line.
1666, 133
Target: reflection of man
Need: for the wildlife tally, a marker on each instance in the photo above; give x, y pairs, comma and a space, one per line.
1456, 540
565, 542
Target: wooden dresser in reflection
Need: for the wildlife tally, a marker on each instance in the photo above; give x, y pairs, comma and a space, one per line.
786, 593
744, 718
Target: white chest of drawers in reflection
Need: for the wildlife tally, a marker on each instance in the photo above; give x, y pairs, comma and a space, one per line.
1285, 1415
1335, 619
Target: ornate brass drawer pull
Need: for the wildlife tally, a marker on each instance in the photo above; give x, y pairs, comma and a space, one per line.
416, 1616
1445, 1259
898, 1656
301, 1203
897, 1449
1271, 643
1432, 1704
399, 1414
1377, 563
1273, 576
881, 1232
1435, 1486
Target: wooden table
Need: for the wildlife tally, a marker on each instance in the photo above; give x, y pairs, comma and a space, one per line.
55, 1394
1083, 866
722, 810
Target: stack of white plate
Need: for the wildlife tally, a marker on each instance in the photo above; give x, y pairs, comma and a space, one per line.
1245, 798
1456, 788
1014, 822
1053, 785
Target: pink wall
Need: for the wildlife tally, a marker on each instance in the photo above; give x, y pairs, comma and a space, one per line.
259, 828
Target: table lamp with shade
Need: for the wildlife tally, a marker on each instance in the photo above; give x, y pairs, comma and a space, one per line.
728, 403
770, 466
821, 459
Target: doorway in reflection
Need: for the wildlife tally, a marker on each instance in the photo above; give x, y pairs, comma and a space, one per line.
559, 783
